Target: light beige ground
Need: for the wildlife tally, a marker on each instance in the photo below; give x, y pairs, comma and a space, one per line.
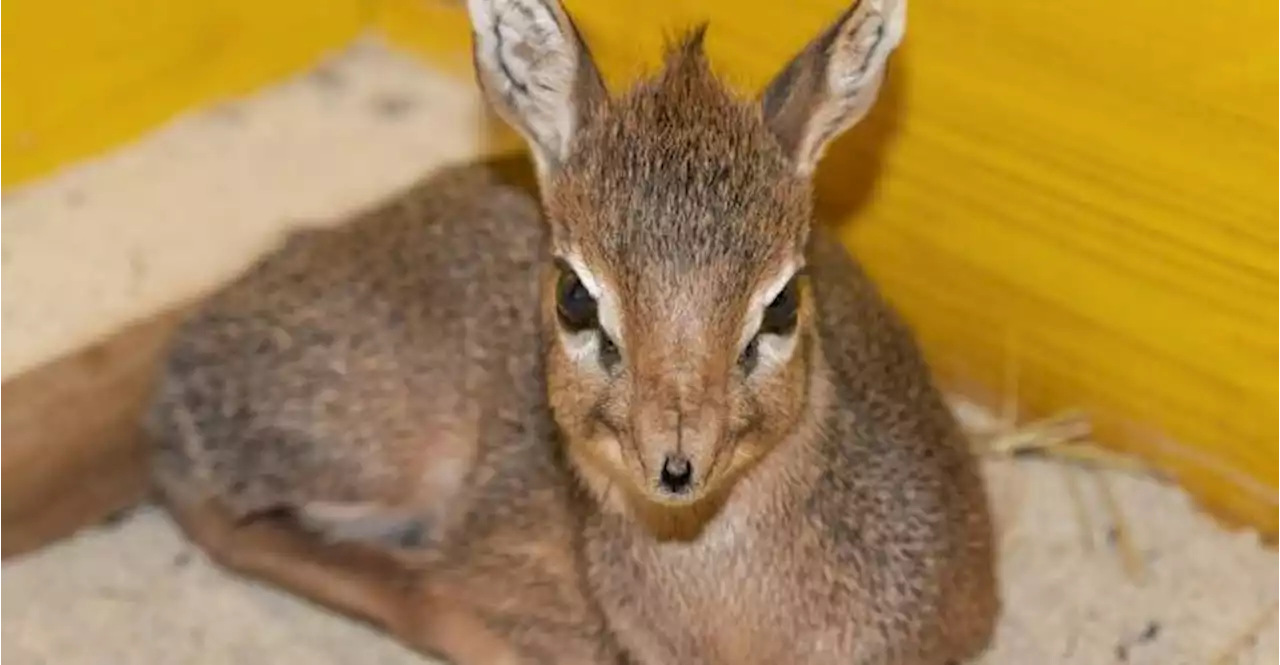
111, 240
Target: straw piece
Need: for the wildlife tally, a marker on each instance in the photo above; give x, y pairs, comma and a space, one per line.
1130, 558
1062, 428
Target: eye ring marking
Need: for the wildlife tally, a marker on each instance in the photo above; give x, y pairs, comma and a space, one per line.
578, 311
780, 317
783, 312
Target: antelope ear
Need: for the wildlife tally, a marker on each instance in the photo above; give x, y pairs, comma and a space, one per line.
834, 81
536, 72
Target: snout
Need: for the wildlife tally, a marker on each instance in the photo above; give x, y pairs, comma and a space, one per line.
677, 474
678, 431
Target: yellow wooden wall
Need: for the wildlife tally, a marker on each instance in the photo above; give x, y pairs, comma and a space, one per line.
1076, 194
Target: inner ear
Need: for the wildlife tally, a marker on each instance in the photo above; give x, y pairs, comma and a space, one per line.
833, 81
536, 72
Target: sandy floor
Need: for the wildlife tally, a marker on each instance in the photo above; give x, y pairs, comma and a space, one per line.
135, 593
117, 238
111, 240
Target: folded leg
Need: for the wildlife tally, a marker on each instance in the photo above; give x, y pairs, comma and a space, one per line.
363, 582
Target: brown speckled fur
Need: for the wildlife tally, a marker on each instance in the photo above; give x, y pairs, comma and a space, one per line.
858, 531
391, 368
402, 381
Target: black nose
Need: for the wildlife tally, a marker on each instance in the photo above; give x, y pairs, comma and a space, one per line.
677, 474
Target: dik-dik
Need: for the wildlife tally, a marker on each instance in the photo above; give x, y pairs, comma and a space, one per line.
652, 415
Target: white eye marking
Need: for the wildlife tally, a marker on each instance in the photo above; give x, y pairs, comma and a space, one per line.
584, 345
761, 300
588, 279
771, 350
774, 350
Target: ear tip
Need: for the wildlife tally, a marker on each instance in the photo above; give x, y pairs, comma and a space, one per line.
479, 11
895, 22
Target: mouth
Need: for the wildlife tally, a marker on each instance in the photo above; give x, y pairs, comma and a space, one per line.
672, 500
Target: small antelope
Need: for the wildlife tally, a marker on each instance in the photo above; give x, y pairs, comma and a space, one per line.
652, 414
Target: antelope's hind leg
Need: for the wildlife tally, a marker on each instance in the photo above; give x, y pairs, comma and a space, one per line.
370, 584
356, 580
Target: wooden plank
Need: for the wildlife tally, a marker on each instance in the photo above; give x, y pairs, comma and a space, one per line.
72, 451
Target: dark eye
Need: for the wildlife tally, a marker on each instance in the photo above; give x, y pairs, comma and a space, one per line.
574, 304
780, 315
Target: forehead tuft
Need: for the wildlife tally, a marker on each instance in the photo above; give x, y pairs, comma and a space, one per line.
682, 174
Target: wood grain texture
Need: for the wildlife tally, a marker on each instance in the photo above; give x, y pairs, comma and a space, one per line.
1078, 195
